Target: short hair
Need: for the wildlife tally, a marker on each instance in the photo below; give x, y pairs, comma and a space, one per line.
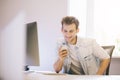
70, 20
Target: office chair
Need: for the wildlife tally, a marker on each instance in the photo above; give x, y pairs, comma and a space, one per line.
109, 50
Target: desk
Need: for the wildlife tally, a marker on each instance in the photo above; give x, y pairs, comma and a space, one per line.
39, 76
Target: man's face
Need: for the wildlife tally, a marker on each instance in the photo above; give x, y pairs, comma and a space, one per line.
69, 32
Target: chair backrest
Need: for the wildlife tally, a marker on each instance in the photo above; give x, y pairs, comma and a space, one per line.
109, 50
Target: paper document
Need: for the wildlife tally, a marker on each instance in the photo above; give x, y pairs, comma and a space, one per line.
49, 73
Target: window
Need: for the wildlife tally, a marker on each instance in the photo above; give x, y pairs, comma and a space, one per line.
106, 23
99, 19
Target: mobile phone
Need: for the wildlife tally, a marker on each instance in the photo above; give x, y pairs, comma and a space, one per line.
64, 46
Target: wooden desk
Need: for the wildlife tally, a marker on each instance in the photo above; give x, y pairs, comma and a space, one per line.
39, 76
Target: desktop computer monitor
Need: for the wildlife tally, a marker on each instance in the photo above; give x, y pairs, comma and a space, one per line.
32, 49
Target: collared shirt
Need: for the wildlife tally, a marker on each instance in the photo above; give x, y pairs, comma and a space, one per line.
89, 54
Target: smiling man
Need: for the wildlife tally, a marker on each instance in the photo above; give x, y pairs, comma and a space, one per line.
76, 55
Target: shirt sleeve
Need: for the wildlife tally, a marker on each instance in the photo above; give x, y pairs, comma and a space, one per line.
99, 52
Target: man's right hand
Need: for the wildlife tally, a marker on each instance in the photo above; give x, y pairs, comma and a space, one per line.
59, 63
62, 53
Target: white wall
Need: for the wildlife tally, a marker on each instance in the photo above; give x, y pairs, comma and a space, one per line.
48, 14
115, 66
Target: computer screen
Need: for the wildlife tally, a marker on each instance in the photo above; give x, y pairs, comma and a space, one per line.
32, 48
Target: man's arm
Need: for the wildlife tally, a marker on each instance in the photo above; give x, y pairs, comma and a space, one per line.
103, 66
59, 63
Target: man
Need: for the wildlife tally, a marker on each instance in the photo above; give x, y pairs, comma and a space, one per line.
77, 55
